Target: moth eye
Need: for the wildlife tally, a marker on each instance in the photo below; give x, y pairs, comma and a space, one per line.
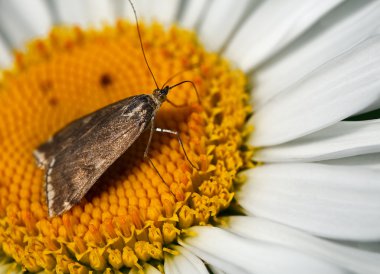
105, 80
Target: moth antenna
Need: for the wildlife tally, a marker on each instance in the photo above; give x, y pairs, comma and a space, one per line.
188, 81
142, 47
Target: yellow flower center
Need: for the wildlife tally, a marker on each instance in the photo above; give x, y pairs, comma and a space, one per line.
130, 216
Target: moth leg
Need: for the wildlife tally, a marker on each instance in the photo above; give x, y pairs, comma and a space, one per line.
154, 167
150, 138
163, 130
147, 150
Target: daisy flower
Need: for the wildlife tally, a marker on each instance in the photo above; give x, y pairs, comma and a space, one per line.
286, 136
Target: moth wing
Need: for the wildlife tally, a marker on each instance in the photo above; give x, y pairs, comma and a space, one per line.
75, 169
67, 135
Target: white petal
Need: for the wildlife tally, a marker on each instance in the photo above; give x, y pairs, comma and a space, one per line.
192, 13
147, 269
22, 20
5, 55
371, 161
100, 12
127, 11
349, 24
356, 260
72, 12
10, 267
144, 8
371, 246
184, 262
330, 201
34, 13
86, 13
338, 89
170, 267
343, 139
215, 270
164, 11
273, 26
235, 254
220, 21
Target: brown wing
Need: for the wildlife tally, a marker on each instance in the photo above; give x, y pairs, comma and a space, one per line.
69, 134
90, 148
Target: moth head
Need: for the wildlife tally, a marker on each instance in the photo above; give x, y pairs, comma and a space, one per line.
161, 93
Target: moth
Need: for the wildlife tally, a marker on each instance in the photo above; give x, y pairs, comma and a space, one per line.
77, 155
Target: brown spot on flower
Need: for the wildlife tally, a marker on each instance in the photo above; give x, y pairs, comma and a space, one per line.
105, 80
53, 101
46, 86
131, 216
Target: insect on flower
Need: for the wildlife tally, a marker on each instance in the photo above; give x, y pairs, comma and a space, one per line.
77, 155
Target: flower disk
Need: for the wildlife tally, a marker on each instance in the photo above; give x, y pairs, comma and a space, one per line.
130, 216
